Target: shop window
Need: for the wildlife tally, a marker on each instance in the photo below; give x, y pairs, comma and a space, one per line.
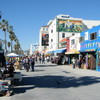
63, 35
73, 42
81, 39
93, 36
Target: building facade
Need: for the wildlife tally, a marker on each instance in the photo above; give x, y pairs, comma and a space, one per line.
90, 48
61, 27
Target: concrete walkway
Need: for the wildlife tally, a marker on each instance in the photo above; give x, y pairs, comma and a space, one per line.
82, 72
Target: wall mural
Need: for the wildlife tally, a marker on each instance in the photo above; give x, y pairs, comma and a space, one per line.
69, 25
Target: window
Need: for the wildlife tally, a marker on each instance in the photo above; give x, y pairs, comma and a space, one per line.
81, 39
46, 29
43, 29
73, 42
51, 31
63, 35
93, 36
51, 40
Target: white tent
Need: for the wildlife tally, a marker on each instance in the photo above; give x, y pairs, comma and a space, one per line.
12, 55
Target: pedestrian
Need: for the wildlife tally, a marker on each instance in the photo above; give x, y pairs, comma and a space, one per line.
74, 62
27, 67
43, 59
32, 64
79, 63
40, 59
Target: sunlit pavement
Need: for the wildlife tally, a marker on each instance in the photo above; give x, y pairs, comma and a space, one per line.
57, 82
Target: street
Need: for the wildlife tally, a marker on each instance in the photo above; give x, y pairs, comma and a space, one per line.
57, 82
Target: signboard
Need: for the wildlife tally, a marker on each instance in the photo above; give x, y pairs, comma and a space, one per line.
45, 39
69, 25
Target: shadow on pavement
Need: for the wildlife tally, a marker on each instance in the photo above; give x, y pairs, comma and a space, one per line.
56, 82
44, 65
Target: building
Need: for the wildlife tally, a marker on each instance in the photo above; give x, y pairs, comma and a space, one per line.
90, 48
33, 48
73, 47
61, 27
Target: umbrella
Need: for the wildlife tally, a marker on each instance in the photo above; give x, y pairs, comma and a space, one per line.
12, 55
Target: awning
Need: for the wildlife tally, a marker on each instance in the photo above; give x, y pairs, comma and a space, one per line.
60, 51
49, 52
12, 55
73, 52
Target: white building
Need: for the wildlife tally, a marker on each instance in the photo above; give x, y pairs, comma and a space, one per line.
63, 26
33, 48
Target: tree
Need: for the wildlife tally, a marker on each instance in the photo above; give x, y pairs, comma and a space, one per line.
4, 27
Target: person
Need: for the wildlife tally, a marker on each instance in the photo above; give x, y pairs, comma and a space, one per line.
73, 62
27, 67
79, 62
32, 64
43, 59
40, 59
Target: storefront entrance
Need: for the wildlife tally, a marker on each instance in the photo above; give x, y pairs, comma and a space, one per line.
92, 61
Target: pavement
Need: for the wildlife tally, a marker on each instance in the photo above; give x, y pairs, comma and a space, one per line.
82, 72
63, 68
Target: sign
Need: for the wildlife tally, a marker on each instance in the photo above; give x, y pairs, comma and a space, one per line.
45, 39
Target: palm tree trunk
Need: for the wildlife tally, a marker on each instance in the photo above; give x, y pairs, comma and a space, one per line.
5, 42
11, 46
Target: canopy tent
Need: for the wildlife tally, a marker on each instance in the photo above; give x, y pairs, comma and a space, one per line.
12, 55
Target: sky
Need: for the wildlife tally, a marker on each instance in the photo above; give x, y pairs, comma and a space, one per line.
28, 16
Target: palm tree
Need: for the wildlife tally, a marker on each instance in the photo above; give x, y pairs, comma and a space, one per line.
0, 25
9, 44
12, 37
5, 28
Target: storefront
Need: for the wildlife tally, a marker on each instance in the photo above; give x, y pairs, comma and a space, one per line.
72, 53
90, 48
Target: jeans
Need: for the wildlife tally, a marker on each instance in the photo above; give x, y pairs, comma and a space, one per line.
73, 65
32, 67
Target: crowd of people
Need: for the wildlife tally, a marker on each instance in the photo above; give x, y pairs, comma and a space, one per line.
27, 62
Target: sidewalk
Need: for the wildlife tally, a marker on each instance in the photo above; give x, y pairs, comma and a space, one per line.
82, 72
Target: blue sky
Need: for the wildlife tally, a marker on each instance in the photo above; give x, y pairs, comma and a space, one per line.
27, 16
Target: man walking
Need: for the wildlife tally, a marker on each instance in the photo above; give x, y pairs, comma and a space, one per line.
74, 62
32, 64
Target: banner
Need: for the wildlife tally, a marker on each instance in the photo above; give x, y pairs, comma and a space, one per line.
45, 39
